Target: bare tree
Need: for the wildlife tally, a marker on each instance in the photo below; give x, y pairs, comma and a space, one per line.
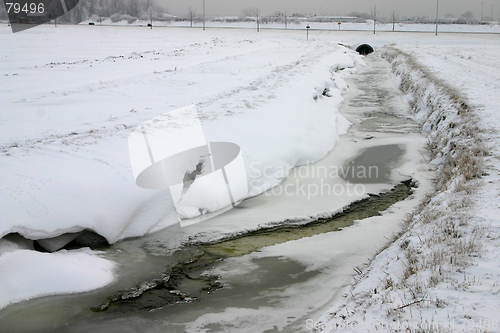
133, 8
252, 12
191, 14
98, 7
151, 11
394, 19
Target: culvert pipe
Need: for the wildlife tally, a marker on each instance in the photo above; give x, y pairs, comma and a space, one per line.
364, 49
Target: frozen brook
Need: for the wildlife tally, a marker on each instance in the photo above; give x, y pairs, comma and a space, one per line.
265, 281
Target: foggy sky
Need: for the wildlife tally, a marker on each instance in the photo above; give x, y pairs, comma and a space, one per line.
385, 8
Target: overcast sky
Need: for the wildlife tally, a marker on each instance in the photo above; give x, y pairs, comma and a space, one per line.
335, 7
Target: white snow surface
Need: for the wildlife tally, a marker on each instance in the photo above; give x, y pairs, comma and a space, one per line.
68, 108
72, 96
44, 274
466, 299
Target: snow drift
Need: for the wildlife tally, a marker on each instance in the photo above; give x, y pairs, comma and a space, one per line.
67, 116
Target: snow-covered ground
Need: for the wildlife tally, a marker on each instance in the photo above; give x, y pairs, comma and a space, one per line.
27, 274
73, 94
443, 274
222, 22
77, 101
69, 107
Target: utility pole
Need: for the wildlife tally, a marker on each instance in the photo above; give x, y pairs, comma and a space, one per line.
393, 20
437, 15
482, 4
257, 11
203, 14
374, 18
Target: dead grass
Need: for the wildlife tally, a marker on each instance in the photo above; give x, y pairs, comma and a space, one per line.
455, 142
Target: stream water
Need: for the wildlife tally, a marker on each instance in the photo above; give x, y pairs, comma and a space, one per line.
250, 282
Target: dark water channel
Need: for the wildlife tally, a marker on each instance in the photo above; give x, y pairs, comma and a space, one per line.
185, 281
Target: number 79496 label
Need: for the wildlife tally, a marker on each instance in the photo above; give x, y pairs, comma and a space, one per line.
26, 14
480, 324
31, 7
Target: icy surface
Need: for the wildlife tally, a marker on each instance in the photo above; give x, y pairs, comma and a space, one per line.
43, 274
328, 258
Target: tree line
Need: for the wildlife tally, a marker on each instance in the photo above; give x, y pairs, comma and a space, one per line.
117, 10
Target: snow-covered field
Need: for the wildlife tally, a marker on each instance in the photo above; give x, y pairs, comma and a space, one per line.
73, 94
80, 100
301, 24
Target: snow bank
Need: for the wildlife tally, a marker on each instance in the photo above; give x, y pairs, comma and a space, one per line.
68, 113
277, 114
56, 273
423, 281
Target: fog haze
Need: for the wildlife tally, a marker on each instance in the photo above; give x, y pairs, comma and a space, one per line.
328, 7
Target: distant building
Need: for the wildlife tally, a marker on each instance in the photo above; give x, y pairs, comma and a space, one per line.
32, 18
37, 18
334, 19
